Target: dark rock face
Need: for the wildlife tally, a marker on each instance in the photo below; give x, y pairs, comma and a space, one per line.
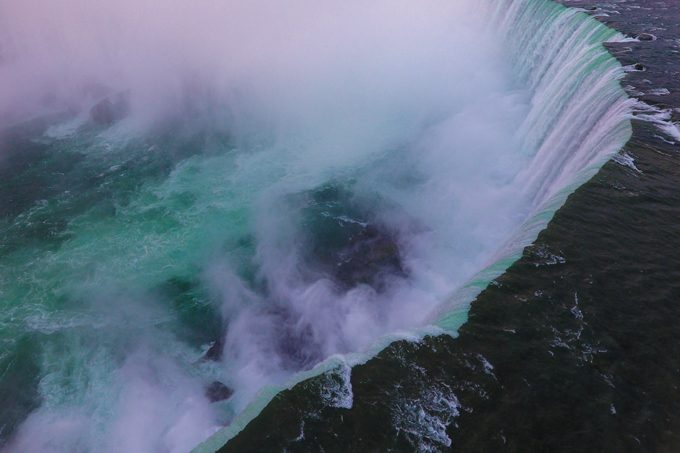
110, 110
217, 391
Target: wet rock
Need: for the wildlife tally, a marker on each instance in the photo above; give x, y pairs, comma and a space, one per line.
217, 391
110, 110
639, 67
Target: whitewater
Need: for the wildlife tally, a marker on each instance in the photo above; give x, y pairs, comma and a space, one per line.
222, 200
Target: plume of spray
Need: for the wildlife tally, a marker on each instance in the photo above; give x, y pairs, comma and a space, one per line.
272, 57
411, 101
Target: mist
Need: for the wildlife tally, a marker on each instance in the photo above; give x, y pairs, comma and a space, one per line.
396, 120
261, 54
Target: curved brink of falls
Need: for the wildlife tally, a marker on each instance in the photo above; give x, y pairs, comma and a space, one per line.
317, 193
578, 119
579, 114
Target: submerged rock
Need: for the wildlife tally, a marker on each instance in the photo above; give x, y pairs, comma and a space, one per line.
217, 391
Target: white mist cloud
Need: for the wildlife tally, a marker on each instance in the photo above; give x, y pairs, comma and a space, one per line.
411, 99
156, 405
273, 54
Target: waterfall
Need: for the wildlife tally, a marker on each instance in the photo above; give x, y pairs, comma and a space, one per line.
579, 117
300, 202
